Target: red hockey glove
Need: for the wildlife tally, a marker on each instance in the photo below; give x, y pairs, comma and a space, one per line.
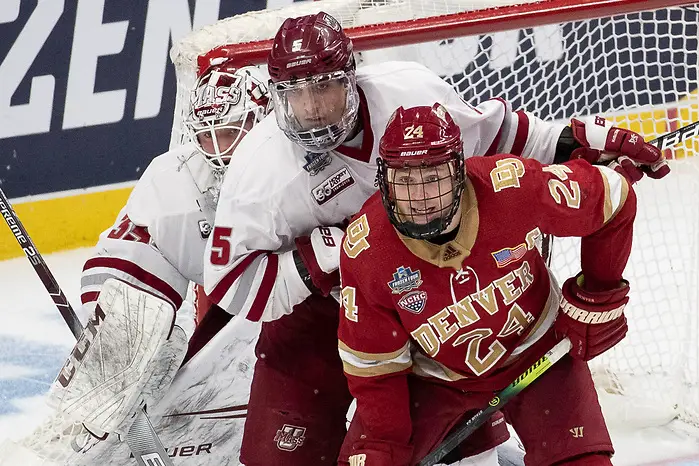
320, 253
593, 321
625, 151
380, 454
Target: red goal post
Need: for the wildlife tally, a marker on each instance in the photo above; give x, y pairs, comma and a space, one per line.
633, 61
469, 22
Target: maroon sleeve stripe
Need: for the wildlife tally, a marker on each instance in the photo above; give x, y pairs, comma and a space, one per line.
265, 290
494, 146
139, 274
522, 133
227, 281
89, 297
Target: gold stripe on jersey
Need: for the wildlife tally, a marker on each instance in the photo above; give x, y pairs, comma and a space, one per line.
550, 306
542, 325
425, 366
607, 201
375, 371
361, 364
616, 189
452, 253
373, 357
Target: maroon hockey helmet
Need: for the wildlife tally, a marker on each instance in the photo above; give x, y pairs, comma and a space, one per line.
421, 170
313, 84
309, 45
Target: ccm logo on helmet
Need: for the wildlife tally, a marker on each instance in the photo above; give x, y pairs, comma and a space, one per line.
296, 63
413, 152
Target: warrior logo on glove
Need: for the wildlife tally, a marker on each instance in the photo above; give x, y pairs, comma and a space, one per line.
624, 150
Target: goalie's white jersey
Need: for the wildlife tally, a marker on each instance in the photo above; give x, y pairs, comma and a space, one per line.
157, 242
274, 192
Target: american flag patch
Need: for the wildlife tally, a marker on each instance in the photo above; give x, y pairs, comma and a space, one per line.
506, 256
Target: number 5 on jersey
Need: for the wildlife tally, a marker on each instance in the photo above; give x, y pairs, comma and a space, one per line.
221, 246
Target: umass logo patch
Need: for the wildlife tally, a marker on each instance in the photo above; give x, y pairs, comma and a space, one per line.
290, 437
414, 301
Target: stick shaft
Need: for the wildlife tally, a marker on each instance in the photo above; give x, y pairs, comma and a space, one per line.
671, 139
40, 267
469, 426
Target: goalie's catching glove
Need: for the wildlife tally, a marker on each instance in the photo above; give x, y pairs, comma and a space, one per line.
593, 321
623, 150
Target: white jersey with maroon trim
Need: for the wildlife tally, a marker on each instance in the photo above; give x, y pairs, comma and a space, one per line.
157, 242
274, 191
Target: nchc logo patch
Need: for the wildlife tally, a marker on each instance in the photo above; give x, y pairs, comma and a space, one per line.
404, 280
290, 437
414, 301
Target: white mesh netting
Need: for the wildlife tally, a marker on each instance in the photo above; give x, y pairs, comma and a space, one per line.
639, 69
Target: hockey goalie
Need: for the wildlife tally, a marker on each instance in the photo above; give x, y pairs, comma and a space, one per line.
139, 324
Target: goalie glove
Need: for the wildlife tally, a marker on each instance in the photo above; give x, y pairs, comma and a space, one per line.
593, 321
125, 359
623, 150
319, 254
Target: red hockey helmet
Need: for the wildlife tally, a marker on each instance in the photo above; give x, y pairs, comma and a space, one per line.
421, 170
225, 104
314, 88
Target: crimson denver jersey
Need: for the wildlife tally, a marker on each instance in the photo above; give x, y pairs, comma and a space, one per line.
471, 311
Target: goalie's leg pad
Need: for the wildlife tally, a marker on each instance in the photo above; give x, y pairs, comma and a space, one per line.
55, 442
128, 353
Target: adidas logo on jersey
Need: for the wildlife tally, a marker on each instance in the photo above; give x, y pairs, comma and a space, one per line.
450, 252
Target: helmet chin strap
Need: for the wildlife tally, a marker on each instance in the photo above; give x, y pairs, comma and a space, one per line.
455, 220
358, 126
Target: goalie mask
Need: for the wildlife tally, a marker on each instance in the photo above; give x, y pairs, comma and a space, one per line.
225, 104
421, 170
313, 82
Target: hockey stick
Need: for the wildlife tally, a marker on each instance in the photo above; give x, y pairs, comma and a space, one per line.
468, 427
144, 443
671, 139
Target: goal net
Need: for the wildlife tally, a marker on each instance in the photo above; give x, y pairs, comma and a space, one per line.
633, 61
